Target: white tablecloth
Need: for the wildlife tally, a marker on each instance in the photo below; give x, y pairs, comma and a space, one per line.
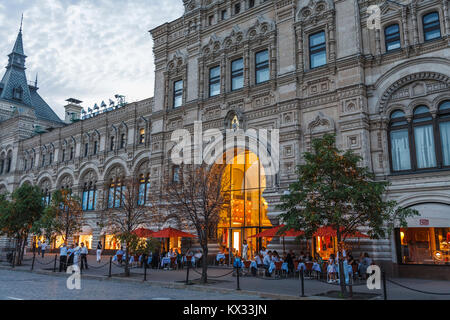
220, 256
165, 260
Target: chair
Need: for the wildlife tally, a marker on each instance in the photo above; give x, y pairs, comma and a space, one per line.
119, 258
173, 262
278, 270
309, 266
247, 266
296, 263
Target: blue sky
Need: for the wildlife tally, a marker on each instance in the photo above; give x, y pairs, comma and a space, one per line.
86, 49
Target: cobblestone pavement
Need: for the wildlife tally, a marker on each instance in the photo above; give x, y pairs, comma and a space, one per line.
223, 279
32, 286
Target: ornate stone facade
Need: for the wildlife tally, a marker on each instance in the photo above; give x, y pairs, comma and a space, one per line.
353, 95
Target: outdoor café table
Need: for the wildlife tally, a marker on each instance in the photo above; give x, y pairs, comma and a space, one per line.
301, 266
165, 260
271, 267
316, 267
220, 256
253, 264
285, 267
192, 260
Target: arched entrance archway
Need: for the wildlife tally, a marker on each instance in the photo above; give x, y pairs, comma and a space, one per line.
246, 215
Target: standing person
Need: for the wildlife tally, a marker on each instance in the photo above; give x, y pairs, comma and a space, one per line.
71, 254
39, 245
245, 250
76, 254
63, 257
43, 248
99, 251
84, 252
25, 247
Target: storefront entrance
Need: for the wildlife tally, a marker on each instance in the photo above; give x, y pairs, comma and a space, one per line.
246, 215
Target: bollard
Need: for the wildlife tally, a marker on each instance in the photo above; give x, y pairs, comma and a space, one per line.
54, 264
145, 270
350, 285
383, 274
32, 263
187, 273
14, 259
302, 277
110, 265
237, 277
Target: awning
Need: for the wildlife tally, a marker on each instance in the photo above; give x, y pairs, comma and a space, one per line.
274, 232
144, 233
331, 232
172, 233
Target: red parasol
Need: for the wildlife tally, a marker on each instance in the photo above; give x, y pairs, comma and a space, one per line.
331, 232
144, 233
270, 233
172, 233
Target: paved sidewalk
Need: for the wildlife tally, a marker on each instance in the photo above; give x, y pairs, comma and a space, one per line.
224, 281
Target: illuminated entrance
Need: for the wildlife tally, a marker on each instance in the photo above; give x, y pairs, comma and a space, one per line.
246, 214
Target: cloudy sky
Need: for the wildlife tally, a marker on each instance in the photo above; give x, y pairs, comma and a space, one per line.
86, 49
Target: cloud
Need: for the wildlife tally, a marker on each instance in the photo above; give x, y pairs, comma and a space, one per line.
89, 50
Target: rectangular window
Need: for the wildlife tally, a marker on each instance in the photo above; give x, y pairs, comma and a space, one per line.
424, 245
142, 136
71, 153
214, 81
86, 150
317, 50
431, 26
444, 128
237, 74
237, 8
262, 66
95, 148
85, 200
177, 93
176, 174
122, 141
51, 158
43, 160
111, 197
224, 14
400, 150
63, 156
251, 4
392, 37
111, 146
210, 20
91, 200
425, 153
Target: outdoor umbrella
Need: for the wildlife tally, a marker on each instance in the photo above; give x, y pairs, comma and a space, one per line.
144, 233
171, 233
329, 231
270, 233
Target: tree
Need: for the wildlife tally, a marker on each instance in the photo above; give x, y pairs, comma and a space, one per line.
197, 200
19, 215
131, 214
332, 190
63, 217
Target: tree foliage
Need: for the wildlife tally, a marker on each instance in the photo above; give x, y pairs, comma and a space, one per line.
63, 217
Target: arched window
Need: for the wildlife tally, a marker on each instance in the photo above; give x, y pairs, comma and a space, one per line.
89, 200
144, 188
431, 26
392, 37
116, 193
46, 197
423, 143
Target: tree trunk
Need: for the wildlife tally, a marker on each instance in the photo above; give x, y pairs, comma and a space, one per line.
205, 263
127, 260
341, 265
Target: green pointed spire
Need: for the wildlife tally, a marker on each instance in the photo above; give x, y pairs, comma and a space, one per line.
18, 46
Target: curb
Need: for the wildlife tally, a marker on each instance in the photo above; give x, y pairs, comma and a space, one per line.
173, 285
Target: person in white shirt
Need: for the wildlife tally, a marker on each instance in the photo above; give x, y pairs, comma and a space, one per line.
84, 252
63, 257
99, 251
43, 248
76, 254
263, 251
267, 259
39, 244
244, 250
